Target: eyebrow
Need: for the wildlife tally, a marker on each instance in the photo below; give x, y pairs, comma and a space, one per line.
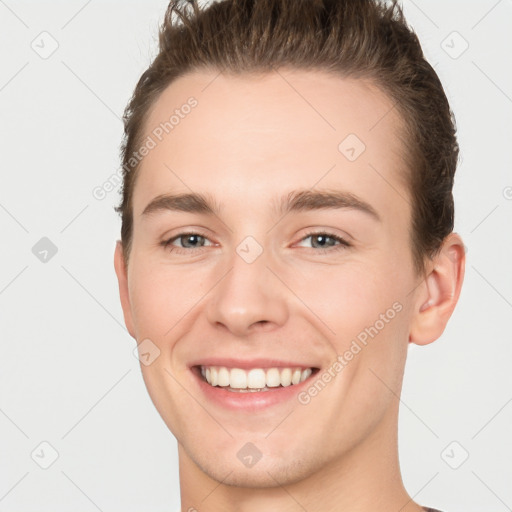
295, 201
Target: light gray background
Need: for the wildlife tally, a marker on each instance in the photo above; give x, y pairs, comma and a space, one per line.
67, 372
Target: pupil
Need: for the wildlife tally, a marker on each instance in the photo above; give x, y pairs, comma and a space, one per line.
191, 239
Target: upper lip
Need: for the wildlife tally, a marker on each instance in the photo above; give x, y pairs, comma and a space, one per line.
230, 362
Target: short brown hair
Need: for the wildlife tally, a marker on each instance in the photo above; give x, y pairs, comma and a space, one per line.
365, 39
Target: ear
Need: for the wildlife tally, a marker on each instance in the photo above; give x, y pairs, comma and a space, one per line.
122, 279
439, 292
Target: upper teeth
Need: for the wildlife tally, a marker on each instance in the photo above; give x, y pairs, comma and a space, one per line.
256, 378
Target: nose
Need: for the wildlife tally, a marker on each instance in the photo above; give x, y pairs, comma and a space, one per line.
248, 299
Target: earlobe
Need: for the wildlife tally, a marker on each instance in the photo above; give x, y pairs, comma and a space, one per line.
122, 279
438, 295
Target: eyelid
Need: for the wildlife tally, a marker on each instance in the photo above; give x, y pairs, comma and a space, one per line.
190, 230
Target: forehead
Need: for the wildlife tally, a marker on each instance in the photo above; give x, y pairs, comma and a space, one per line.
241, 137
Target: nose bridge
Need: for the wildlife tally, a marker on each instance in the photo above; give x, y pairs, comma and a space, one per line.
249, 294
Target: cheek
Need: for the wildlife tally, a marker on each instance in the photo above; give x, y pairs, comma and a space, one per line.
367, 319
162, 296
350, 298
362, 311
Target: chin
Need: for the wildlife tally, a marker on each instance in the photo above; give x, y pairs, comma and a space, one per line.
265, 474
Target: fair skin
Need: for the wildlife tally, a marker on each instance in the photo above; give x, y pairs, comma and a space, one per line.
250, 142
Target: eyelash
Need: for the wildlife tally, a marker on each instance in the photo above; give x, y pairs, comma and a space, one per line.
343, 244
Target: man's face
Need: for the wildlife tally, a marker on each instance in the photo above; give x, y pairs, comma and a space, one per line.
253, 286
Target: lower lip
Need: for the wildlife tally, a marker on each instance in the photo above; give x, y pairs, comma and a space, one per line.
252, 400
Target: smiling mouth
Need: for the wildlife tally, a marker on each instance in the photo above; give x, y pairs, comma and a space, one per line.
253, 380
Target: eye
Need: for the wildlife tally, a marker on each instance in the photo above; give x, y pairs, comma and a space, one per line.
187, 241
326, 242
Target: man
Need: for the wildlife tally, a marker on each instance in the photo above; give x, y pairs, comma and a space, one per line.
287, 231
